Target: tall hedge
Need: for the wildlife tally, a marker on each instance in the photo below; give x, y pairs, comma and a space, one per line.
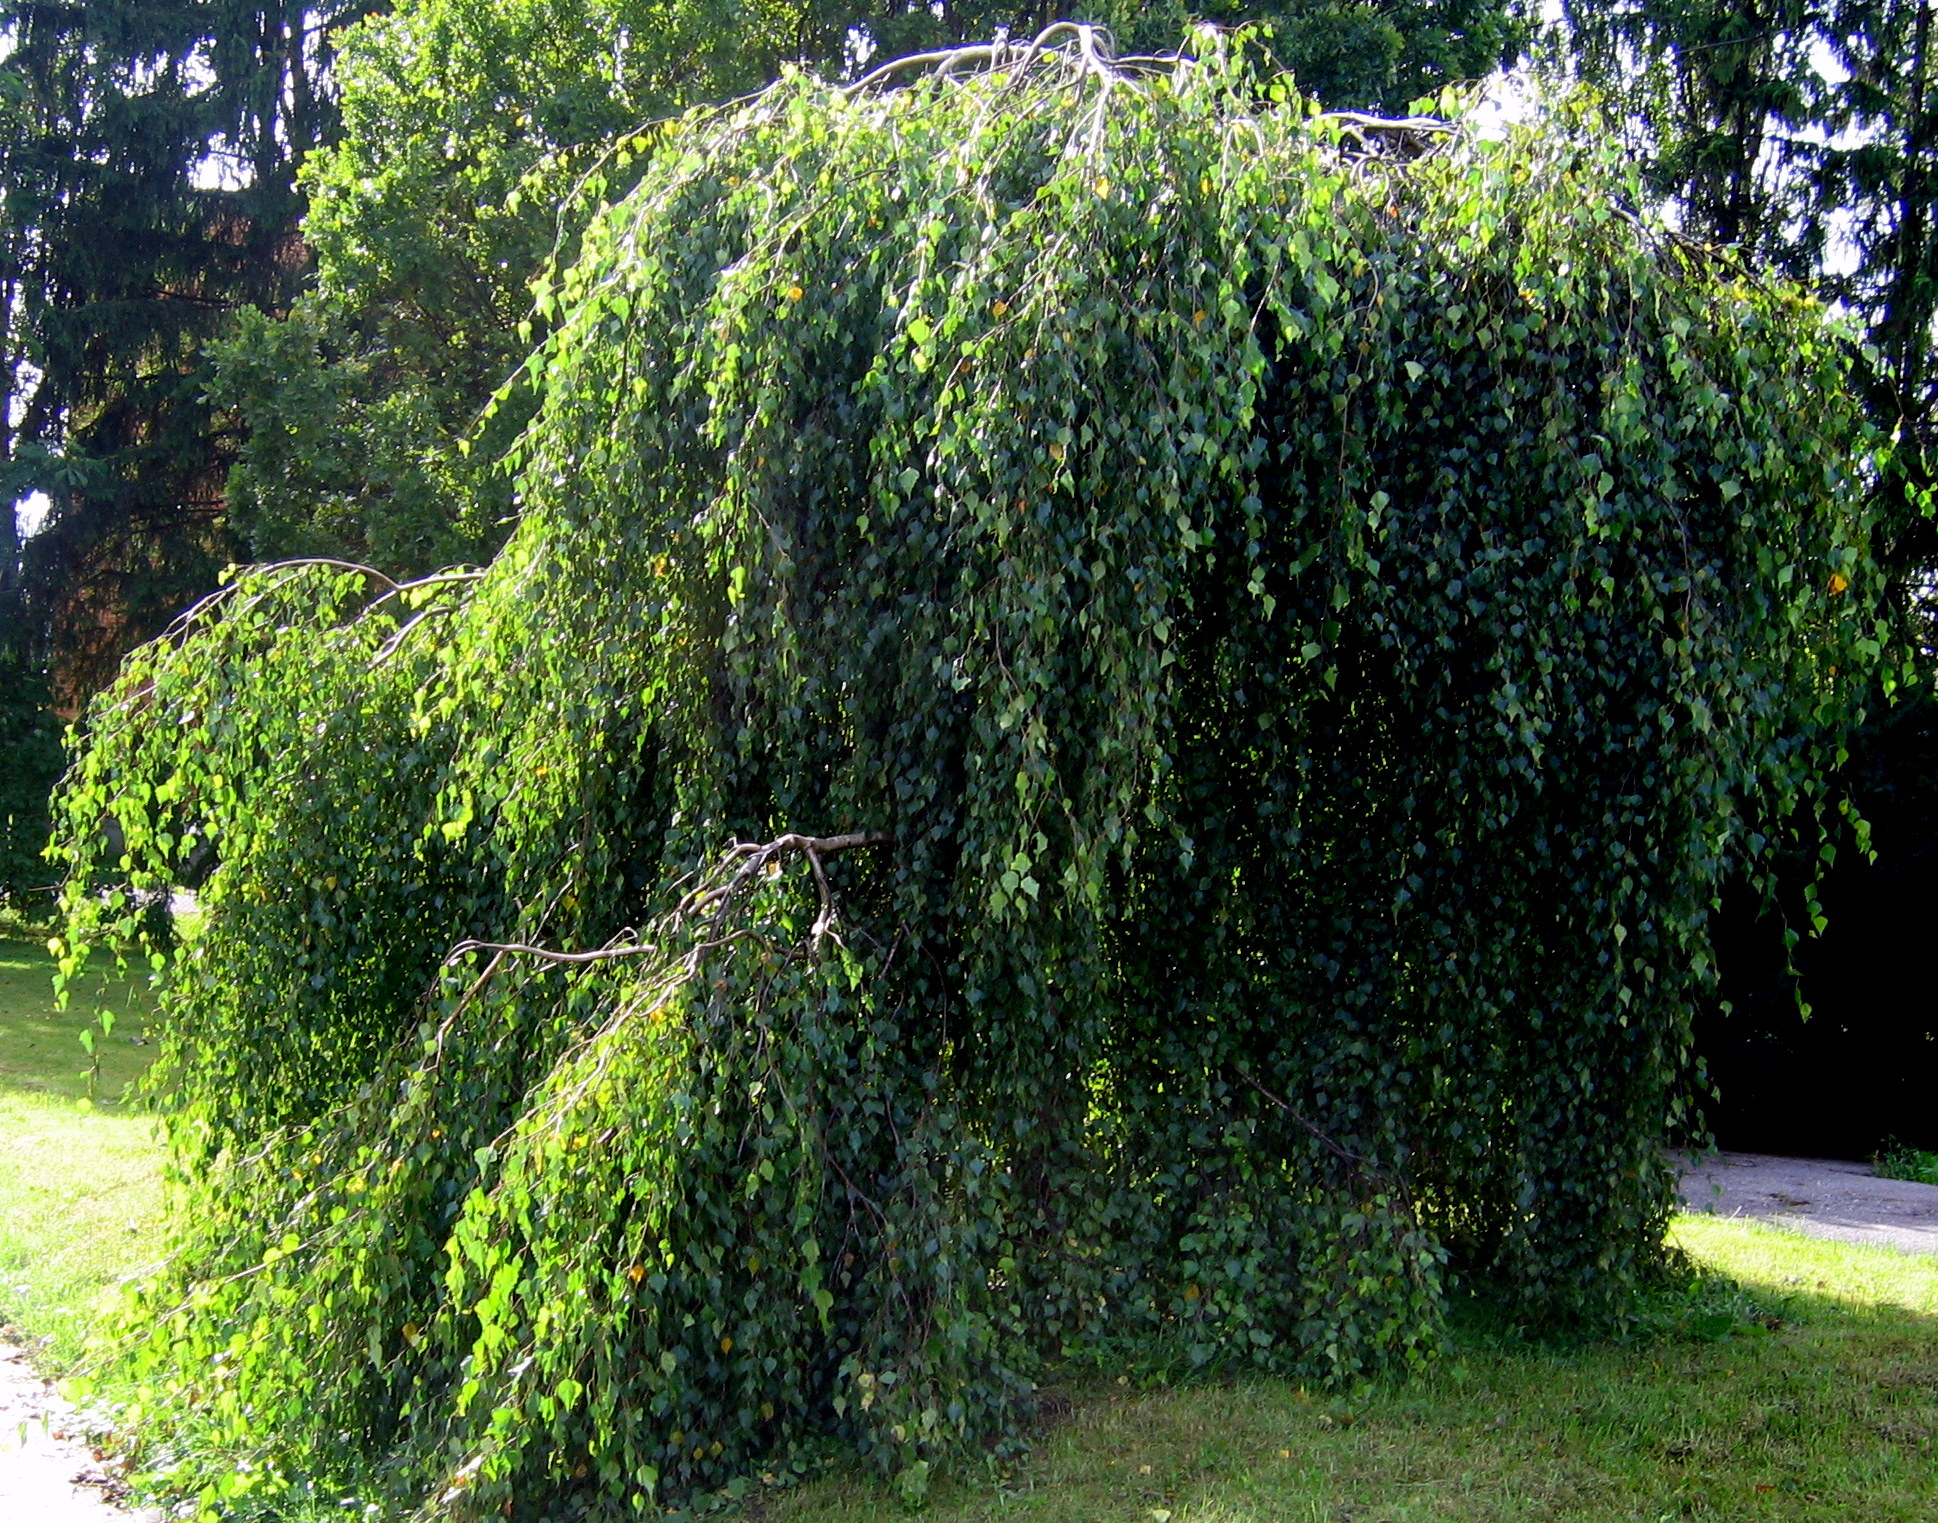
1108, 733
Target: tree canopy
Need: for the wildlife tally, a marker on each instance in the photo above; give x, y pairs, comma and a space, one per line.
1107, 732
476, 144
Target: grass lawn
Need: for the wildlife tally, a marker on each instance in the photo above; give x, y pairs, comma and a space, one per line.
1830, 1417
78, 1187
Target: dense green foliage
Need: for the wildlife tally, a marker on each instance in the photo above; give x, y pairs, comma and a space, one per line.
477, 143
466, 131
179, 412
1919, 1165
1294, 618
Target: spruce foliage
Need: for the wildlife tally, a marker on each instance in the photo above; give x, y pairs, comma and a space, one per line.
1108, 731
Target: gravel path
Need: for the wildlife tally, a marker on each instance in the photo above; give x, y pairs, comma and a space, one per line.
46, 1476
1824, 1197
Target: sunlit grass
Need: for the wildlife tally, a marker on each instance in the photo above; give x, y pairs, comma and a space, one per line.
79, 1193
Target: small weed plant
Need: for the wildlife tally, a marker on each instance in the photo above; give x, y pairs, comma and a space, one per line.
1896, 1161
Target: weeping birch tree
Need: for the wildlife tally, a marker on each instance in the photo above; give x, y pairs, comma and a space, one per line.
1107, 733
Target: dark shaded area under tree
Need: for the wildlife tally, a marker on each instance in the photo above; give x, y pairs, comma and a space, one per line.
1863, 1066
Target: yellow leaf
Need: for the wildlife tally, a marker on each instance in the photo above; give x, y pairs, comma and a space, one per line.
998, 309
1198, 318
1056, 451
726, 1344
795, 293
1838, 582
1103, 187
636, 1272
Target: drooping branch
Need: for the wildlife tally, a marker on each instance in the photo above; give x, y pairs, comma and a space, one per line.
729, 879
1094, 51
549, 954
945, 61
754, 857
1095, 54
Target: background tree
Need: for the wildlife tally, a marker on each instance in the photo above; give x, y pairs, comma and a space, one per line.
466, 129
149, 174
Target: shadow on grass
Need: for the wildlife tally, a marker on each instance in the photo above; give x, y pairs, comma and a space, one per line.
1795, 1380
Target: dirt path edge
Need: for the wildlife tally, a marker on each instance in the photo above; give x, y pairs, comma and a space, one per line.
47, 1475
1825, 1197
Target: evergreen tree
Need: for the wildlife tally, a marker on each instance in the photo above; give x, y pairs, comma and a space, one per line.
148, 167
1804, 132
